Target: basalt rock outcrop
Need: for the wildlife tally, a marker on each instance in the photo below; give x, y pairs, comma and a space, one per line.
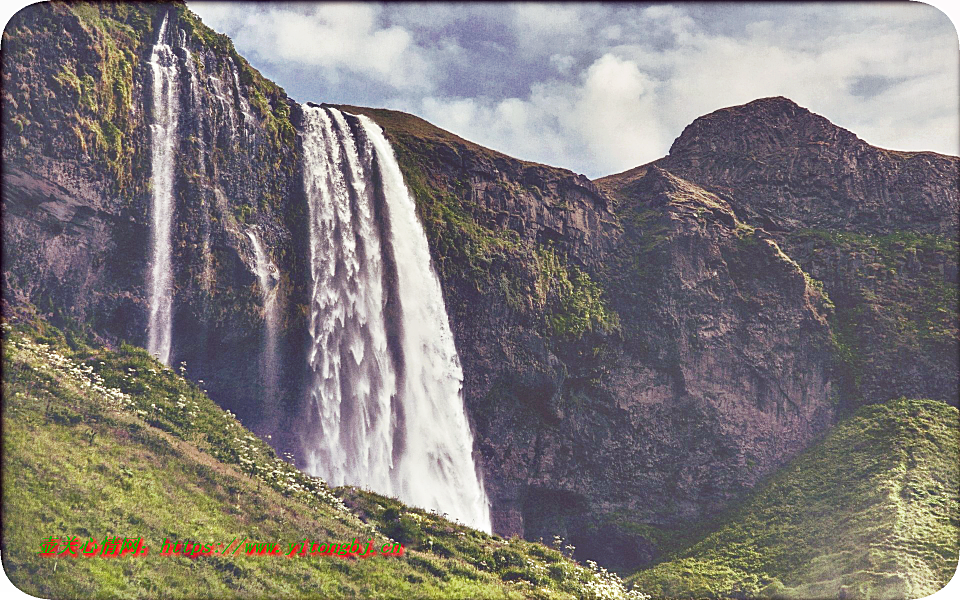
878, 228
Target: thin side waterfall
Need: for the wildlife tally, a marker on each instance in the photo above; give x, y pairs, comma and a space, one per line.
268, 277
386, 378
163, 130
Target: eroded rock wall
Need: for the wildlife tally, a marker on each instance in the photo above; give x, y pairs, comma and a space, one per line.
77, 113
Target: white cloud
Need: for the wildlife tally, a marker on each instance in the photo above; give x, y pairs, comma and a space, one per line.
544, 24
615, 112
673, 19
563, 63
606, 120
708, 72
343, 38
603, 88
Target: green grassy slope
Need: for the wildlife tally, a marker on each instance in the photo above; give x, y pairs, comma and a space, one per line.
99, 443
870, 512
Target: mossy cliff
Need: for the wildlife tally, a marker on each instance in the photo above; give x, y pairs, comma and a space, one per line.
76, 144
76, 239
878, 228
896, 310
600, 334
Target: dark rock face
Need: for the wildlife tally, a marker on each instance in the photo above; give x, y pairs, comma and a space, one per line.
719, 376
58, 232
542, 204
76, 204
877, 227
716, 375
637, 351
788, 167
724, 339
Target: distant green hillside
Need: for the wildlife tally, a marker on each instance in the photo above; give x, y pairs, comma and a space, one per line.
869, 512
112, 444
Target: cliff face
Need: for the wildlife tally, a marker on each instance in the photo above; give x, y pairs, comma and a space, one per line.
637, 352
77, 148
726, 348
878, 228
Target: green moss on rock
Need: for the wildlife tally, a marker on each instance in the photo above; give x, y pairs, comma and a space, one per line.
896, 303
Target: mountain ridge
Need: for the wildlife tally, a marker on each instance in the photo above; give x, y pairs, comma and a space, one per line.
752, 111
789, 168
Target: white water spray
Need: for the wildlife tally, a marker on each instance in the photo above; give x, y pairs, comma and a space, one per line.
386, 378
268, 276
163, 129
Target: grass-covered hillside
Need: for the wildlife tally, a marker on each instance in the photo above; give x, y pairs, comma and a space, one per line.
870, 512
108, 444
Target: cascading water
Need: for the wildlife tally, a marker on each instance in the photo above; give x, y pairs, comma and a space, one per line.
268, 277
386, 378
163, 130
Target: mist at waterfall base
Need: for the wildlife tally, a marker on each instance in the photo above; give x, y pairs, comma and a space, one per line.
384, 397
268, 277
386, 378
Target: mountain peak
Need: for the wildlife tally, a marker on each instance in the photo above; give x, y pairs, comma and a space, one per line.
787, 165
759, 127
772, 101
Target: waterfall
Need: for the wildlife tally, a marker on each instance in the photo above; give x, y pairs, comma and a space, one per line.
268, 277
163, 130
386, 379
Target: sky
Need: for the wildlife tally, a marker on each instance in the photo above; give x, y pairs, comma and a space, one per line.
600, 88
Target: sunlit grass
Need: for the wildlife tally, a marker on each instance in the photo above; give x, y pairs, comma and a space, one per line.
870, 512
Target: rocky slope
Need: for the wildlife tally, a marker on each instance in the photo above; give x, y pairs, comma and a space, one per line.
637, 352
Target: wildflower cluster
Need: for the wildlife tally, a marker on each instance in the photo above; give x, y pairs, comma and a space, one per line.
257, 460
47, 361
566, 550
605, 585
188, 409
